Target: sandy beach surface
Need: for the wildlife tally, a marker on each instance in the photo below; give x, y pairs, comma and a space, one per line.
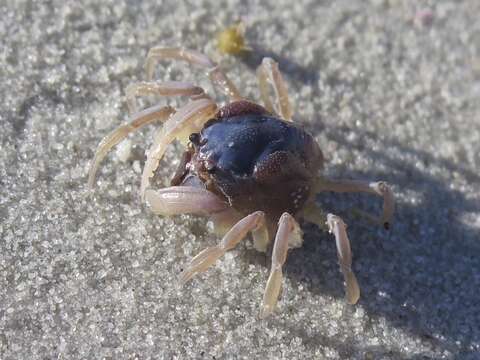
391, 91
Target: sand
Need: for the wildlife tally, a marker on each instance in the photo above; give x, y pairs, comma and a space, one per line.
389, 88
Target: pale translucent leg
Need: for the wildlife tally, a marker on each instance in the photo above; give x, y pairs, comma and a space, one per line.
268, 72
261, 238
187, 120
170, 88
379, 188
145, 117
288, 235
216, 75
264, 89
177, 200
338, 229
224, 220
209, 256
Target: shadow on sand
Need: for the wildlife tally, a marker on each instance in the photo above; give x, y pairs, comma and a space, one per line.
416, 276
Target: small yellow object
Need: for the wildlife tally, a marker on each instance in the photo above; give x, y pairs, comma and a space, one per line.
232, 41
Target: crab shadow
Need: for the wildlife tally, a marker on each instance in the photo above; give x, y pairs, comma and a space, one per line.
409, 276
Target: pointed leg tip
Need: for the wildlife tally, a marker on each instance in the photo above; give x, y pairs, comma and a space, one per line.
352, 289
352, 293
265, 311
91, 178
90, 185
353, 299
143, 195
184, 277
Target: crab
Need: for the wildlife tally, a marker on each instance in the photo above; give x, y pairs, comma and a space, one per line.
247, 167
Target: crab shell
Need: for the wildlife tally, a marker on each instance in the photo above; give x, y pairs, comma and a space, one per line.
253, 160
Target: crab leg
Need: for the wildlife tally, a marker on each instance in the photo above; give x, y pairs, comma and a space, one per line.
170, 88
142, 118
216, 75
210, 255
268, 72
288, 235
263, 87
380, 188
338, 229
177, 200
185, 121
224, 220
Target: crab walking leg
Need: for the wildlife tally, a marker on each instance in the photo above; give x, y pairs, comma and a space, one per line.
142, 118
176, 200
338, 228
216, 75
170, 88
379, 188
288, 233
261, 238
264, 90
268, 71
185, 121
209, 256
223, 221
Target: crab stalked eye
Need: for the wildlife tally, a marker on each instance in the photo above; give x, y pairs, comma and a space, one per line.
194, 138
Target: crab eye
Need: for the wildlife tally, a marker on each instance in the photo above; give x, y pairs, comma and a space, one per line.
194, 138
